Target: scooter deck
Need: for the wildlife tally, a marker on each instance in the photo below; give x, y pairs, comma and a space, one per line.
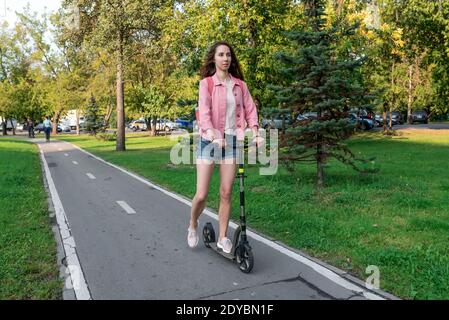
230, 256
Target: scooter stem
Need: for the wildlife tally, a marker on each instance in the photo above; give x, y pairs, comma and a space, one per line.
241, 176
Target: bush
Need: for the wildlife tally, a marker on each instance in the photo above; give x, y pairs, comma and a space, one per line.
106, 136
391, 133
440, 117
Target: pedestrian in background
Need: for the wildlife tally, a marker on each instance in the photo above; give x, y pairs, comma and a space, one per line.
30, 125
47, 128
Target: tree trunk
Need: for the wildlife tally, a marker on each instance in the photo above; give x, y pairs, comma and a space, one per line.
120, 146
148, 124
5, 131
153, 126
320, 167
390, 124
108, 115
12, 126
55, 123
409, 104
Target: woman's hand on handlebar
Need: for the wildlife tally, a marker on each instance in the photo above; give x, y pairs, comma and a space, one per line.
210, 135
220, 142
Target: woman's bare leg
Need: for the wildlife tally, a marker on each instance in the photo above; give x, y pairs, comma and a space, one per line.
227, 177
204, 169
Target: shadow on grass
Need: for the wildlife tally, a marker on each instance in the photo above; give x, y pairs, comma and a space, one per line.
399, 162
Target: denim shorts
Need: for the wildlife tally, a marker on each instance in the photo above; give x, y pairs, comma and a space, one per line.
210, 151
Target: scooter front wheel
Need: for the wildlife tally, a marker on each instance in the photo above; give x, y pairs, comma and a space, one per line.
244, 258
208, 234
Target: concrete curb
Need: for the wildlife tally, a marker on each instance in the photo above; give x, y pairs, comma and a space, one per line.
67, 294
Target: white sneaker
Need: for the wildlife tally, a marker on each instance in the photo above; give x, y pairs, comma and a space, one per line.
192, 237
225, 244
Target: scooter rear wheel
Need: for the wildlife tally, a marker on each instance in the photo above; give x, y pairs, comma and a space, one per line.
244, 258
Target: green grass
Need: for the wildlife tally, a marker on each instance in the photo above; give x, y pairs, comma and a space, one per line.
28, 267
397, 219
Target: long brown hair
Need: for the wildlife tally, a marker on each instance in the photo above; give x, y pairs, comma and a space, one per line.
208, 68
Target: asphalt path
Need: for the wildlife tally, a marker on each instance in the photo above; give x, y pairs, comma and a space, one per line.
128, 238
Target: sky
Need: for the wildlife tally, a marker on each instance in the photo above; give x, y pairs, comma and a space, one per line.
8, 8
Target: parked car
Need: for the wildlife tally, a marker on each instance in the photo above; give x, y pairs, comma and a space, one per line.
161, 124
9, 126
396, 119
360, 112
314, 115
393, 122
301, 119
379, 120
64, 127
40, 128
276, 122
185, 123
419, 116
166, 125
311, 115
21, 127
72, 123
361, 122
138, 125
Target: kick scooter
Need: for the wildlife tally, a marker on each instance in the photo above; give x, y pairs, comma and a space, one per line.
241, 251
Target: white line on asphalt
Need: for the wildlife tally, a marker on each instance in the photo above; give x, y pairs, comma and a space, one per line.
74, 162
331, 275
126, 207
78, 281
91, 176
66, 154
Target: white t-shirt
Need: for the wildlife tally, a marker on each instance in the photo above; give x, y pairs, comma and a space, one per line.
230, 109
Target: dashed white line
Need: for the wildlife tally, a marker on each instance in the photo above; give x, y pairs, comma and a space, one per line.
126, 207
91, 176
66, 154
74, 162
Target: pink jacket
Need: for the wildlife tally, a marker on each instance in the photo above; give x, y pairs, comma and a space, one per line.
212, 109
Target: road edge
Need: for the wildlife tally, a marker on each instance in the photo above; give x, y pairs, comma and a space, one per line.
66, 248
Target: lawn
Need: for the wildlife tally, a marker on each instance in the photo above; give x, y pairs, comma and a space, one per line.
28, 267
397, 219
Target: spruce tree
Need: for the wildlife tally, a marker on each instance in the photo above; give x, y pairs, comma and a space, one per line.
318, 79
94, 121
